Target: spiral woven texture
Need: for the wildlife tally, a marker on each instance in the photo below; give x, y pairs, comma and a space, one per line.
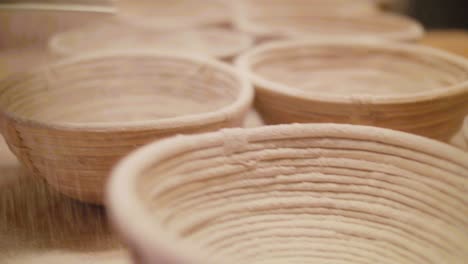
70, 122
397, 86
319, 193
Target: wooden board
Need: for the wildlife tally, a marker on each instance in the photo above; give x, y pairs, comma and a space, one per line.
454, 41
39, 225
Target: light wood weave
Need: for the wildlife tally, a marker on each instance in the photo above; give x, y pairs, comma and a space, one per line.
71, 121
318, 193
399, 86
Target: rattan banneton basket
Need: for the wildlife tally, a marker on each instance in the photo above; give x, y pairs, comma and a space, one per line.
116, 34
174, 14
303, 193
253, 8
71, 121
368, 82
379, 25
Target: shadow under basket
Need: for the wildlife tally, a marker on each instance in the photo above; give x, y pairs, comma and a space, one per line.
304, 193
70, 122
364, 82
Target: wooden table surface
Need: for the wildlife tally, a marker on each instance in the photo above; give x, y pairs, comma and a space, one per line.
38, 225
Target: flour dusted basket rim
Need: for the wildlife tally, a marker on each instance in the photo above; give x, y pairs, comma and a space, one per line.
152, 225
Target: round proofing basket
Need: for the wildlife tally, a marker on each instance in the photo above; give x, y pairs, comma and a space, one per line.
167, 15
380, 25
71, 121
317, 193
215, 42
368, 82
304, 7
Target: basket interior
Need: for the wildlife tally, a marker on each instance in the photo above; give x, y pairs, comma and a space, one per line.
356, 69
119, 89
301, 200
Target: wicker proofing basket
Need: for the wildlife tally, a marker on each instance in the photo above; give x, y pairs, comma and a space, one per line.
215, 42
380, 25
174, 14
317, 193
304, 7
70, 122
399, 86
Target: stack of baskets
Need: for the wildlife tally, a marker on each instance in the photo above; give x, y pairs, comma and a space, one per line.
354, 167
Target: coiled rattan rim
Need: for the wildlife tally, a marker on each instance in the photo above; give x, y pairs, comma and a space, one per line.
125, 207
242, 101
245, 61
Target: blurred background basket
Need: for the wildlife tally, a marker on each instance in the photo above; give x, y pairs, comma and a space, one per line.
220, 43
399, 86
